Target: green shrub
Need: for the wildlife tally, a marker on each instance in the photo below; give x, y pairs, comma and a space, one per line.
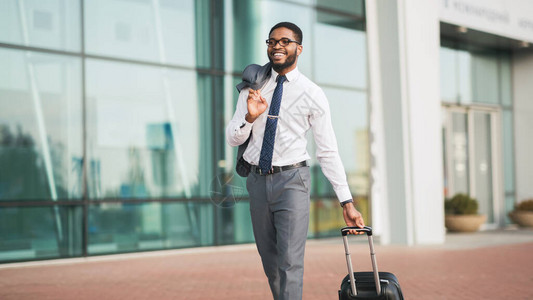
461, 204
526, 205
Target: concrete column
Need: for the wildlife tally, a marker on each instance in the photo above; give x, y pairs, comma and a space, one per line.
523, 123
403, 41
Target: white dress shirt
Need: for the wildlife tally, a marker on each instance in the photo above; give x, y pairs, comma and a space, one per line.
304, 106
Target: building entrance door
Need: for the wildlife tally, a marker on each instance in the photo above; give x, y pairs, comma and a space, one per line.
472, 157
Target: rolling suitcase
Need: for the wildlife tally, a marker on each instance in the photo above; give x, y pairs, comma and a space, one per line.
367, 285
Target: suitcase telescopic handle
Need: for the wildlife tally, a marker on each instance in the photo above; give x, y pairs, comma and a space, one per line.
368, 230
346, 230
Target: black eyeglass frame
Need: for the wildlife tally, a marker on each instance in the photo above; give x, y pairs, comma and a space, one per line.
284, 42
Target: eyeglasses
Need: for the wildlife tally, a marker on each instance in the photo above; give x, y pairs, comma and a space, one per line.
284, 42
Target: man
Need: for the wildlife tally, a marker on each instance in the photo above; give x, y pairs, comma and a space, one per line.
278, 117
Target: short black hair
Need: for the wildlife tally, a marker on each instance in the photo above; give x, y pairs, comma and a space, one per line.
291, 26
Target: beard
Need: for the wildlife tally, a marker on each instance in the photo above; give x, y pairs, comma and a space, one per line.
291, 59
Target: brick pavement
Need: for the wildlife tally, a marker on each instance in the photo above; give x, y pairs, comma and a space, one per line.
476, 266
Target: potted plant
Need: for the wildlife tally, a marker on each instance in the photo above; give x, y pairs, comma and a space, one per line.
523, 213
462, 214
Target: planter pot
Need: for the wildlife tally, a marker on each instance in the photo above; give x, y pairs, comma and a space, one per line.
464, 223
522, 218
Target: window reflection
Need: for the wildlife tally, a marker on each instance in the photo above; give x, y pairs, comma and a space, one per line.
464, 77
351, 131
161, 31
149, 226
340, 61
346, 6
505, 79
485, 81
40, 232
48, 24
40, 126
448, 78
508, 151
253, 20
459, 155
474, 76
144, 132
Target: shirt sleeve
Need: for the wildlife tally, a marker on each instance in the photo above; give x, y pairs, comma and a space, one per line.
238, 129
327, 151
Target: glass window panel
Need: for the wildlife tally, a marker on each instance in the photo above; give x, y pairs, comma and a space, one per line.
209, 33
328, 217
228, 189
243, 223
445, 155
474, 76
351, 131
459, 154
448, 75
253, 22
209, 145
340, 20
508, 151
121, 227
40, 126
485, 80
149, 132
245, 43
510, 202
355, 7
231, 96
505, 79
47, 24
28, 233
159, 31
225, 229
482, 163
350, 54
320, 186
237, 183
464, 76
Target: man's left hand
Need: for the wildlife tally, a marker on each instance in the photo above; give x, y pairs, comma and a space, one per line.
352, 217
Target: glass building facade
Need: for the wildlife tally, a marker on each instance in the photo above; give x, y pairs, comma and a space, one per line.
112, 118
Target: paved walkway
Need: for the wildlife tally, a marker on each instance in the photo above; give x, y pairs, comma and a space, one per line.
484, 265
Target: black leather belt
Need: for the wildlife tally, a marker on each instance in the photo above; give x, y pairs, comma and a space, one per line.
276, 169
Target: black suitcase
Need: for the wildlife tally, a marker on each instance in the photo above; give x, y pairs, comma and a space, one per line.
367, 285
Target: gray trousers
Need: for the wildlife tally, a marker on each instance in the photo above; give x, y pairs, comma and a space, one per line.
279, 207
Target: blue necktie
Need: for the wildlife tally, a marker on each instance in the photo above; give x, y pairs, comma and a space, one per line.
267, 150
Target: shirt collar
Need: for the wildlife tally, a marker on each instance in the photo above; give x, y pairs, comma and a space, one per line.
292, 75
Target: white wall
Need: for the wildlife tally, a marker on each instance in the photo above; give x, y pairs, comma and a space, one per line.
422, 36
403, 41
523, 113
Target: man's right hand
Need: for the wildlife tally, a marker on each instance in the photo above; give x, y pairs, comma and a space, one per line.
352, 217
256, 105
